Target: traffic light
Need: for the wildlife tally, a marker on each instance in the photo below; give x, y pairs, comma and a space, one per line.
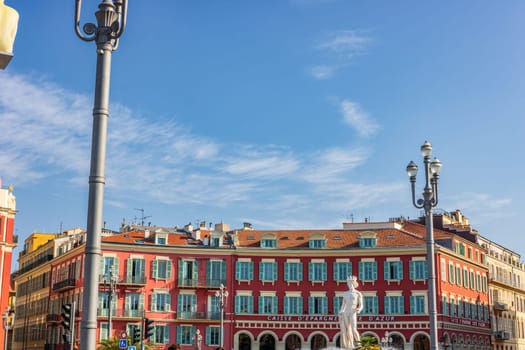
148, 328
135, 335
66, 338
67, 316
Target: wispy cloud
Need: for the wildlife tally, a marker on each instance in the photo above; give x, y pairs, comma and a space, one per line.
164, 162
357, 118
337, 49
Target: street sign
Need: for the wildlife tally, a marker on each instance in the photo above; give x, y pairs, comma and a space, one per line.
123, 343
123, 335
132, 347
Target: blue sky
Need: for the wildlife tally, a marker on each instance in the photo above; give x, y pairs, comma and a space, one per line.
284, 114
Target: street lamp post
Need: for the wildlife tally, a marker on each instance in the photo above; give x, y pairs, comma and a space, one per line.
429, 201
111, 22
222, 293
110, 300
6, 323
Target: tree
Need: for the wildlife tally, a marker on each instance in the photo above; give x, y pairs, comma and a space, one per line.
368, 343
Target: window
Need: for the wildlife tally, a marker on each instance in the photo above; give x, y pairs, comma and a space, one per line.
317, 305
293, 304
160, 301
215, 272
443, 270
293, 271
187, 305
370, 305
214, 307
108, 265
367, 242
268, 241
267, 304
134, 304
418, 270
393, 270
317, 241
103, 303
243, 304
161, 269
268, 271
244, 270
452, 305
104, 330
368, 270
338, 301
465, 278
459, 279
185, 334
161, 334
136, 272
472, 280
188, 273
213, 335
417, 304
394, 304
451, 273
342, 269
444, 305
461, 308
317, 271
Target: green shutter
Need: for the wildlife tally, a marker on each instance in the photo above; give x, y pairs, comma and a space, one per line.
195, 276
154, 302
237, 304
387, 305
179, 333
168, 302
260, 302
286, 305
324, 272
274, 271
274, 305
238, 270
376, 305
386, 266
166, 334
325, 305
286, 272
129, 268
374, 271
310, 271
261, 271
223, 271
362, 270
412, 304
412, 269
154, 272
168, 269
300, 272
310, 305
208, 335
208, 272
399, 270
250, 304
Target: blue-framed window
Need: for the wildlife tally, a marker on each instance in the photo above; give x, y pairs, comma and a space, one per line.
317, 243
317, 271
185, 334
393, 270
370, 305
444, 306
267, 304
293, 271
161, 334
342, 269
186, 306
417, 304
293, 304
215, 272
243, 304
213, 334
368, 270
317, 305
338, 301
268, 243
394, 305
160, 301
453, 307
461, 308
367, 242
161, 269
244, 270
268, 271
418, 270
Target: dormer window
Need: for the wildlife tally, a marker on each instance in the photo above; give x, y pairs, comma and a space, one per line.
317, 241
368, 240
268, 241
161, 238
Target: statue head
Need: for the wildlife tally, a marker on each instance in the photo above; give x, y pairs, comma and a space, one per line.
352, 282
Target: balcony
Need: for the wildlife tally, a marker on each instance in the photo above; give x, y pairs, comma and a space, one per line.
36, 263
64, 285
502, 335
205, 315
201, 283
120, 313
129, 281
499, 306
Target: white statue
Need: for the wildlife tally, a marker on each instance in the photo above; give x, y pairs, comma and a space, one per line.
352, 305
8, 27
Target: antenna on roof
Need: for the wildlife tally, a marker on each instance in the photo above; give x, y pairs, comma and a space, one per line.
142, 217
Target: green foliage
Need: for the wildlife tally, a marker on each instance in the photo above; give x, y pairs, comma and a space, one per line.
368, 343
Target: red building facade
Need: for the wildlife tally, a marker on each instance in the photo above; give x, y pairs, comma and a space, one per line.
284, 287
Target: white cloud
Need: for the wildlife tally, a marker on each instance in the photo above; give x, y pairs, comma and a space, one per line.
322, 72
357, 118
345, 43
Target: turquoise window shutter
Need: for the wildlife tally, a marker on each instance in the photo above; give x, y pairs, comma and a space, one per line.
286, 273
374, 271
179, 338
237, 270
154, 267
300, 274
208, 335
325, 305
324, 272
166, 334
237, 304
250, 305
251, 270
362, 270
310, 271
274, 271
386, 267
223, 270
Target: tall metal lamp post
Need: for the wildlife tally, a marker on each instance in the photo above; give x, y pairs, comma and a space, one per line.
429, 201
111, 292
111, 22
7, 323
221, 294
